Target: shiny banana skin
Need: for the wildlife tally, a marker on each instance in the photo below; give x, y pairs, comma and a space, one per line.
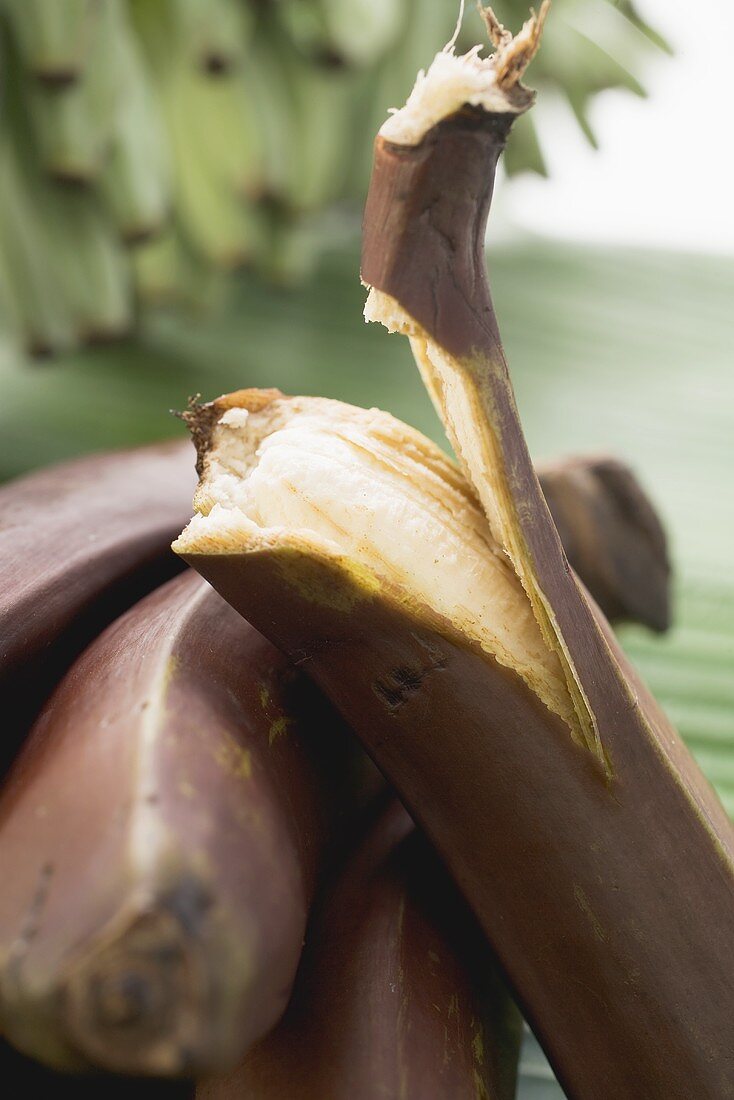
635, 937
613, 537
161, 837
79, 543
567, 873
397, 995
30, 1078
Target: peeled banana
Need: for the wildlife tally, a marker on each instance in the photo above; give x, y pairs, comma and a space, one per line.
636, 855
593, 853
202, 767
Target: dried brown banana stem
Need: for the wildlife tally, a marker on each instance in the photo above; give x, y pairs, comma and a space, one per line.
161, 836
397, 994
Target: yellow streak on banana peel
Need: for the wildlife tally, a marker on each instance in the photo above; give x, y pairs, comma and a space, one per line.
386, 310
325, 576
234, 758
277, 725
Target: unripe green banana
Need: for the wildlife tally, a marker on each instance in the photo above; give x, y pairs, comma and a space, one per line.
70, 277
36, 311
167, 270
312, 108
343, 32
54, 36
217, 166
74, 123
161, 836
136, 177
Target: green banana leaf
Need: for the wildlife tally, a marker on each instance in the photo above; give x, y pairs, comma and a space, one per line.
611, 349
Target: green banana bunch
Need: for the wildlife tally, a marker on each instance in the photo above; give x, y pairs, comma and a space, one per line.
149, 149
360, 32
66, 279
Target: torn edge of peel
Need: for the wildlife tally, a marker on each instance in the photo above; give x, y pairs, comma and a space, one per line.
453, 80
323, 575
383, 309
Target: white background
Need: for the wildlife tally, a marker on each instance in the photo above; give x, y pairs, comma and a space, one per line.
664, 171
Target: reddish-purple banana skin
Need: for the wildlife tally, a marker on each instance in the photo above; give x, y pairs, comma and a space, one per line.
608, 902
30, 1078
396, 996
161, 835
627, 970
82, 541
79, 543
612, 536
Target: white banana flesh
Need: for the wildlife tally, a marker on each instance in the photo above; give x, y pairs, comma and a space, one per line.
360, 483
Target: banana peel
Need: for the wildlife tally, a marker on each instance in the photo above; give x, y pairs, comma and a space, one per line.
32, 1079
636, 1030
79, 543
603, 879
161, 836
578, 882
612, 536
397, 993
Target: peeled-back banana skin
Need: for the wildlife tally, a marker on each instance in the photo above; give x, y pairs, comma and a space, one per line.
79, 543
397, 994
613, 856
160, 838
605, 882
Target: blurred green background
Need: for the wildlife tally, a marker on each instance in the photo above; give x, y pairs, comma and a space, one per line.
181, 185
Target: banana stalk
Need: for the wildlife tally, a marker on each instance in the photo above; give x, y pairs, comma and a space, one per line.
79, 543
396, 996
160, 841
